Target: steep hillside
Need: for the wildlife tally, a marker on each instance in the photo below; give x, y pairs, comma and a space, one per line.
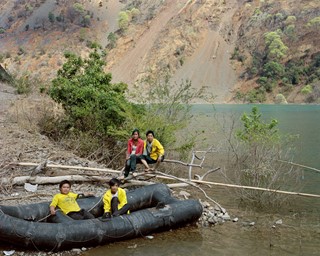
241, 50
278, 52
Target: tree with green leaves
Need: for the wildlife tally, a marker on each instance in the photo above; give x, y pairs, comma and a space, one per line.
276, 49
123, 21
259, 147
91, 102
168, 111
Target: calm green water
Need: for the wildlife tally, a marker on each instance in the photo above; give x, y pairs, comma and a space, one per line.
300, 232
301, 120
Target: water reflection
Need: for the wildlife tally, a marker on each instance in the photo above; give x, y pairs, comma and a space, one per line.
299, 233
183, 241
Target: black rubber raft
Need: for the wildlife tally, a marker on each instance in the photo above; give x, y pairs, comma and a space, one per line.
153, 210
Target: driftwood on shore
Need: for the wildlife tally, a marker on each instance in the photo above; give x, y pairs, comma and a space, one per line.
52, 180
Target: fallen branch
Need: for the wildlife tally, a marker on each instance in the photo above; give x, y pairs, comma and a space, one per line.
192, 184
182, 163
69, 167
207, 173
21, 180
300, 165
164, 176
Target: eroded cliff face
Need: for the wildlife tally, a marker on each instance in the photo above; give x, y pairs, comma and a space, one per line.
217, 44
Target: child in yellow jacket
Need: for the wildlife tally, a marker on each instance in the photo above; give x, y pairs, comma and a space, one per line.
115, 200
153, 152
66, 201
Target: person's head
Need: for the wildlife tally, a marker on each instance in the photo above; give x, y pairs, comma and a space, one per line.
65, 187
114, 184
150, 135
135, 134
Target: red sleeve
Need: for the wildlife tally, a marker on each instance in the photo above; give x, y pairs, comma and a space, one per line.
140, 146
129, 148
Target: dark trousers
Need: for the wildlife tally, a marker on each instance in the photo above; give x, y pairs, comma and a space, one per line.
149, 160
114, 207
81, 215
131, 164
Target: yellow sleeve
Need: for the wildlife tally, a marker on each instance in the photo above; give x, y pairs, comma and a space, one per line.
107, 201
160, 149
122, 198
54, 202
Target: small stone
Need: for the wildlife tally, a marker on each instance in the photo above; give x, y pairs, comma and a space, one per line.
273, 226
252, 223
279, 222
77, 250
149, 237
184, 194
205, 204
226, 216
235, 219
83, 249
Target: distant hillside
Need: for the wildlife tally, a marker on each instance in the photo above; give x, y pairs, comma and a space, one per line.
242, 51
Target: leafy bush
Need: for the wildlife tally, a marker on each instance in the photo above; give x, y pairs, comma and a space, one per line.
167, 111
123, 21
276, 49
91, 102
112, 40
273, 69
260, 145
256, 95
315, 22
306, 89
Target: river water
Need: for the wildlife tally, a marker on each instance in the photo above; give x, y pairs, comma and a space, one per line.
299, 233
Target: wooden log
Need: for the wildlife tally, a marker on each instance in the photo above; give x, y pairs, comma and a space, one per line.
21, 180
69, 167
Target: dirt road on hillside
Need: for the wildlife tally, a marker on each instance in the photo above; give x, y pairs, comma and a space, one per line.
210, 64
129, 67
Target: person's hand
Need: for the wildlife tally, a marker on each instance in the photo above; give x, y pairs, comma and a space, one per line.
53, 212
159, 159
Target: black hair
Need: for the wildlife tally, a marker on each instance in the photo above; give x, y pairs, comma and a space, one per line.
114, 181
135, 130
64, 182
150, 131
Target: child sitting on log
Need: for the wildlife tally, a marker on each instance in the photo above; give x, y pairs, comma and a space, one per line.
67, 202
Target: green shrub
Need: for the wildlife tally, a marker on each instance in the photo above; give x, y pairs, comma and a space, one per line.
259, 146
123, 21
315, 22
273, 70
290, 31
290, 20
306, 89
256, 95
276, 49
112, 40
51, 17
91, 102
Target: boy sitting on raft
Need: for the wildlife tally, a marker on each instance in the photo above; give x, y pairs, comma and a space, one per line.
115, 200
66, 201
